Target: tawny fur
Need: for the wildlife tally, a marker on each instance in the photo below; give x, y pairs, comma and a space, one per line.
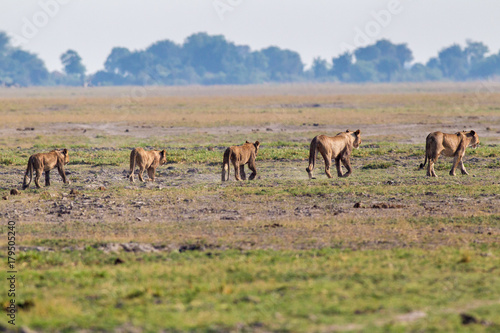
44, 162
338, 147
146, 160
239, 156
452, 145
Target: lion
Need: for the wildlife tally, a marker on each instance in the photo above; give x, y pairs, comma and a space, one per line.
337, 147
44, 162
438, 143
239, 156
149, 160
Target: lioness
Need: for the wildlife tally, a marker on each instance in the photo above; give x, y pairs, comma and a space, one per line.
149, 160
239, 156
438, 143
44, 162
338, 147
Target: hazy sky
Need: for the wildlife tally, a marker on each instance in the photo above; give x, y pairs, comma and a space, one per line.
313, 28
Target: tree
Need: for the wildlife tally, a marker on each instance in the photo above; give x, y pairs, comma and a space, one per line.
73, 64
166, 53
403, 54
319, 68
4, 42
283, 65
18, 67
486, 67
114, 62
453, 62
368, 53
388, 66
475, 51
210, 53
363, 71
30, 69
341, 65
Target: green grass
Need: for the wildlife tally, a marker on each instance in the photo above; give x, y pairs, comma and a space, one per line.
219, 290
271, 151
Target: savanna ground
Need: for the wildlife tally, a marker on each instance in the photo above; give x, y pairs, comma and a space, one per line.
386, 249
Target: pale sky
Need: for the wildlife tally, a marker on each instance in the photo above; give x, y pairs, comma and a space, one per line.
323, 28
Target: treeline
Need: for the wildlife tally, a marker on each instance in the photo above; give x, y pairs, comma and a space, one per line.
201, 59
18, 67
205, 59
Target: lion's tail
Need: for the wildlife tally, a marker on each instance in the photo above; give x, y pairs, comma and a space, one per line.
423, 164
313, 150
225, 164
133, 154
28, 174
427, 150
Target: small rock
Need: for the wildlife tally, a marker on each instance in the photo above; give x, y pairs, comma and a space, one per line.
468, 319
74, 192
194, 170
118, 261
357, 205
102, 188
5, 197
15, 192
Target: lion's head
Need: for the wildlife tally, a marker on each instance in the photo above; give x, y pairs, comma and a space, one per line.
256, 145
474, 142
64, 152
357, 138
163, 157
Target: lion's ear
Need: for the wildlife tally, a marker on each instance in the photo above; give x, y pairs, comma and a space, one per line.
358, 132
256, 144
163, 152
247, 141
472, 133
65, 151
347, 131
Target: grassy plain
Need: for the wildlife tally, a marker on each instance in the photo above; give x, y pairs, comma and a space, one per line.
385, 250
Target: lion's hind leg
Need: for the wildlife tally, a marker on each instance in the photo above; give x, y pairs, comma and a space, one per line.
253, 168
47, 178
236, 169
328, 163
430, 168
151, 174
347, 163
141, 171
38, 174
242, 172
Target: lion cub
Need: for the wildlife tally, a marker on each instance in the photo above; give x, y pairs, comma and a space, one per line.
338, 147
452, 145
44, 162
149, 160
239, 156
